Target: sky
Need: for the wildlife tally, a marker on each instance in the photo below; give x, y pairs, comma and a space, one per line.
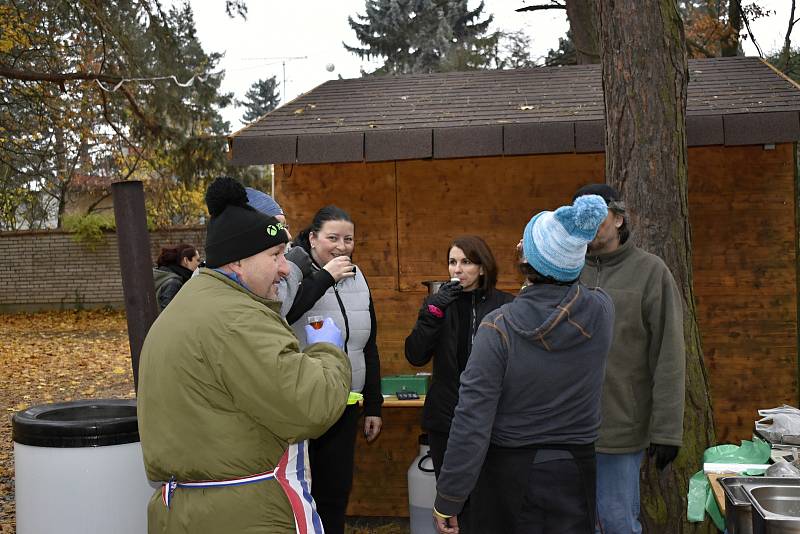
305, 37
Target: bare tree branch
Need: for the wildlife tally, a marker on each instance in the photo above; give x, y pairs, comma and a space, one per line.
61, 78
94, 204
139, 154
749, 31
55, 77
542, 7
236, 7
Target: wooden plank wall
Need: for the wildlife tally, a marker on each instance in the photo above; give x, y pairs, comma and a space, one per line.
745, 237
491, 197
743, 220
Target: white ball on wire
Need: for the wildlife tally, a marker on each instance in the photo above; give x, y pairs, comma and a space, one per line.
330, 67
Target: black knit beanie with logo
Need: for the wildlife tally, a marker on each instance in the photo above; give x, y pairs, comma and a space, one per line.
236, 230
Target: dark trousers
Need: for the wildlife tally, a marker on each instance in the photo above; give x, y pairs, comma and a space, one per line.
515, 494
438, 444
331, 457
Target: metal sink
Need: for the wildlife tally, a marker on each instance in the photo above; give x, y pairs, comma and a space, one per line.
776, 507
780, 500
742, 516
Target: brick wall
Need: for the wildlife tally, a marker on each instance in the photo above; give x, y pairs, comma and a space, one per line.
41, 270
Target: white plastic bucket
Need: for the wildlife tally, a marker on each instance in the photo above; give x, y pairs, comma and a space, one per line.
421, 490
79, 469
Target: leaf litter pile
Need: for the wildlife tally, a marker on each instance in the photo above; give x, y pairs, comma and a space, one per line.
54, 357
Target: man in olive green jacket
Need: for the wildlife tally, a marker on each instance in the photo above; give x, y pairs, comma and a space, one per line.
643, 392
225, 392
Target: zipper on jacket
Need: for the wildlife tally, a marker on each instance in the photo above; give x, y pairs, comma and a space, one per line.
344, 314
597, 279
473, 326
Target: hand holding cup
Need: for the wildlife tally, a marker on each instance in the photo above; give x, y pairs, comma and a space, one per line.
328, 332
340, 267
446, 295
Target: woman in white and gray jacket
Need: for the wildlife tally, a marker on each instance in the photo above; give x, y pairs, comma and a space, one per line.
325, 282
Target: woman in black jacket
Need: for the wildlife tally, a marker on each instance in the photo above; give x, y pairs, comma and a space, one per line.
445, 328
174, 267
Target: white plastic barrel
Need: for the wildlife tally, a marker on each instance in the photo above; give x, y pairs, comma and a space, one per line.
78, 468
421, 490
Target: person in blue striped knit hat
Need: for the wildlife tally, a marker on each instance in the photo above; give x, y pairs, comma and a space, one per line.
266, 205
554, 242
521, 445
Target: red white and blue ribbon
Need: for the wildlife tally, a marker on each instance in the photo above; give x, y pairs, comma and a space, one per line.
293, 475
169, 488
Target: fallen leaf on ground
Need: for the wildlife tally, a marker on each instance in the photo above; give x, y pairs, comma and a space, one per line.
55, 357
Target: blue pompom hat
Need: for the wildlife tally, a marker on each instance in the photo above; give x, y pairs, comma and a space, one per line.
555, 242
263, 202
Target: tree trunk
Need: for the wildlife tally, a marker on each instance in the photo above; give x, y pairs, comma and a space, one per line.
583, 25
645, 77
730, 46
56, 191
786, 51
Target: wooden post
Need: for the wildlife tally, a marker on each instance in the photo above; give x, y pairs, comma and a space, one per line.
135, 264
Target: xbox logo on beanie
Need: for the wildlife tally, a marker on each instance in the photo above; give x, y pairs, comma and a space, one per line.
555, 242
273, 229
236, 230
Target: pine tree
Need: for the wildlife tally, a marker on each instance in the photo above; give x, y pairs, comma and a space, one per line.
514, 51
386, 31
564, 54
260, 99
421, 36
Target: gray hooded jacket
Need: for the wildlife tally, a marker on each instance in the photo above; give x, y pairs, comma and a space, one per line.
534, 377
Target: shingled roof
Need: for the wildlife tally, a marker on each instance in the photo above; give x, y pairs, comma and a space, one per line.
732, 101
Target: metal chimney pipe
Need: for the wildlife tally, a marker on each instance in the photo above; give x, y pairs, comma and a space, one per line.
133, 242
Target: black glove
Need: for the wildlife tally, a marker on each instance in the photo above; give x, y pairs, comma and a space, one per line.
664, 454
446, 295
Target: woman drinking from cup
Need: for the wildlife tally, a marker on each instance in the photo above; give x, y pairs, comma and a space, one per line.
445, 327
322, 252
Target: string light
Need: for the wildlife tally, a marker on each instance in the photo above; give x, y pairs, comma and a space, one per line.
198, 77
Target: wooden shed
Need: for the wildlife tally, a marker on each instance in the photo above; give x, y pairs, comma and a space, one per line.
420, 159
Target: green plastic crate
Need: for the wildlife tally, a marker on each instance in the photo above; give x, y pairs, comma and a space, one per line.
417, 383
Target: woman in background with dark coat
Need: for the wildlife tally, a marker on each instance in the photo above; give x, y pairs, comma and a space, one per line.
174, 267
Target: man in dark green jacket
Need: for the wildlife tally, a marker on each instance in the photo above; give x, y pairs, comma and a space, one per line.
226, 398
643, 392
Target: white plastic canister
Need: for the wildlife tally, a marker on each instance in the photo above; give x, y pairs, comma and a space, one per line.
79, 468
422, 490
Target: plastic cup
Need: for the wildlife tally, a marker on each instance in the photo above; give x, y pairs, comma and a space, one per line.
316, 321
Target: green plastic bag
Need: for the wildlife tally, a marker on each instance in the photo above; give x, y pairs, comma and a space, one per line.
701, 498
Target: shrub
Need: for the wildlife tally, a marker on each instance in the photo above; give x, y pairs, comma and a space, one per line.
88, 230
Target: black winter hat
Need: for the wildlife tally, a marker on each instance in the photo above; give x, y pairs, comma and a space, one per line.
236, 230
609, 194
